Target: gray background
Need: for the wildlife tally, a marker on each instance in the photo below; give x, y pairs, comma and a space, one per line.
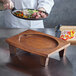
63, 12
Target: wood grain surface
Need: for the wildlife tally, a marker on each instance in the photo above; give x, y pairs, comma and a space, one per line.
37, 43
62, 28
42, 44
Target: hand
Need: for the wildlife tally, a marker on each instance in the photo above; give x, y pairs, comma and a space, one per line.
8, 4
43, 15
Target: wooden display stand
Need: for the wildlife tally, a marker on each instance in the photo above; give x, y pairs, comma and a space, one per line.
37, 43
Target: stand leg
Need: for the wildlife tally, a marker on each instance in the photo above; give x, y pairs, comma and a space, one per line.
12, 50
44, 60
62, 53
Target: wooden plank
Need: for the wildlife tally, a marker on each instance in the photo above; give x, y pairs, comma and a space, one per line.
62, 28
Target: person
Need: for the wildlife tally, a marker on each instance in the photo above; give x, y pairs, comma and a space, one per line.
11, 21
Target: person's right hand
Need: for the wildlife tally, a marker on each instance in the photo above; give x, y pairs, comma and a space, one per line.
8, 4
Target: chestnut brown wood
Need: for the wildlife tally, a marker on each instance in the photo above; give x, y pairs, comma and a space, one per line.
67, 27
37, 43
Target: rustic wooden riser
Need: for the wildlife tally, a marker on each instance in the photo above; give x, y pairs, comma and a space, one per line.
37, 43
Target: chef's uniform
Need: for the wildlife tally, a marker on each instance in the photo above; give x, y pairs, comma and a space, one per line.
11, 21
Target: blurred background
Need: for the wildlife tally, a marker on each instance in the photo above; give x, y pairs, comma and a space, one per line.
63, 12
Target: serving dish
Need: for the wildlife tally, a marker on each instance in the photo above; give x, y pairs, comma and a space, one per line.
29, 14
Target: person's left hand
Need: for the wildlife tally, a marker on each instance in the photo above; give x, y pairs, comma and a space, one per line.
42, 14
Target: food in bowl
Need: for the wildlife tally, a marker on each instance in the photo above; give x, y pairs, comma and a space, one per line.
30, 14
